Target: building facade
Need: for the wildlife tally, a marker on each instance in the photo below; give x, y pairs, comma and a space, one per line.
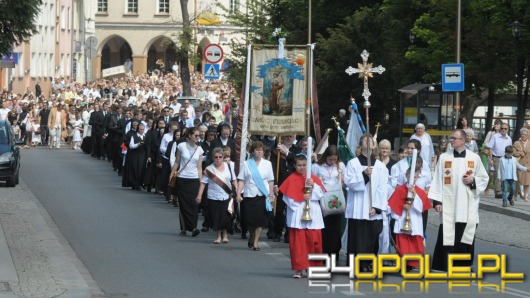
146, 31
76, 39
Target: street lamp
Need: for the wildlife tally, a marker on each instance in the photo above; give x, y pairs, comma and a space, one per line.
411, 37
520, 66
516, 29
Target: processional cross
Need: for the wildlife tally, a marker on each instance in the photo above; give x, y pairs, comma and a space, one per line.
365, 71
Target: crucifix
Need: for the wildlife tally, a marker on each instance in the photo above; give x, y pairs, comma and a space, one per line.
365, 71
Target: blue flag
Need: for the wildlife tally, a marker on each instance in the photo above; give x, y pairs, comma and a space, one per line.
356, 128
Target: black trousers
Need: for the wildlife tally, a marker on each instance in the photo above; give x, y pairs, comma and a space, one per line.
44, 134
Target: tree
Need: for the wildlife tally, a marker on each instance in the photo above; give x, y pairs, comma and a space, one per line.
17, 22
184, 47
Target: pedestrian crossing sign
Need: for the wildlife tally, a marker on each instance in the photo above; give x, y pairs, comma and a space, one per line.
211, 71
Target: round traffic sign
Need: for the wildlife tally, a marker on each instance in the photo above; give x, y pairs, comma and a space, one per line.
213, 53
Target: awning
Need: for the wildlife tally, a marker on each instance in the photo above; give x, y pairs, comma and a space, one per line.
414, 88
208, 18
7, 64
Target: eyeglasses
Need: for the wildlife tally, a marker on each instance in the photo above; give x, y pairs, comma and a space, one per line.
504, 128
218, 157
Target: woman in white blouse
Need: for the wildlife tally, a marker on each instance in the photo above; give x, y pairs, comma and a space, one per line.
188, 170
220, 178
330, 170
254, 206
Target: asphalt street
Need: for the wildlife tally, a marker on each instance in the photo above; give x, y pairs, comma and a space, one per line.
129, 242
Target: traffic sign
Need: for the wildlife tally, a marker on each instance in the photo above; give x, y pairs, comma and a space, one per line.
211, 71
453, 77
213, 53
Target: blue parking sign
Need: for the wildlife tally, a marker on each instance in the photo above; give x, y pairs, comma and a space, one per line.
453, 77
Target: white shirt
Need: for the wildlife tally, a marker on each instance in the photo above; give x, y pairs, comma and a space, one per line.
175, 107
265, 169
358, 201
416, 218
295, 211
168, 137
329, 175
216, 192
3, 114
186, 152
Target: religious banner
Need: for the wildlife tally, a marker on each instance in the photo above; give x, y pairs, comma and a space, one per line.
278, 91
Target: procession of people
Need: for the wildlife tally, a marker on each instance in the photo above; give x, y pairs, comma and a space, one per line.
186, 155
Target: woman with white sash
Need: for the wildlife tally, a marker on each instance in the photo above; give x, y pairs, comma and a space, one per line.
255, 181
220, 178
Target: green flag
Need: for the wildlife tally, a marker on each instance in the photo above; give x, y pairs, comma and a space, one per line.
345, 153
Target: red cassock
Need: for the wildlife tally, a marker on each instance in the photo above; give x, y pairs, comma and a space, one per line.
408, 244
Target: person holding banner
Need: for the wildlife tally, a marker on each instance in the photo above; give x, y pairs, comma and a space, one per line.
255, 182
305, 235
367, 196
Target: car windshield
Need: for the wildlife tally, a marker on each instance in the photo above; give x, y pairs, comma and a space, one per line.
3, 135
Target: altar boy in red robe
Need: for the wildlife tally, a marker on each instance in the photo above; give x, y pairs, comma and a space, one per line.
305, 237
410, 243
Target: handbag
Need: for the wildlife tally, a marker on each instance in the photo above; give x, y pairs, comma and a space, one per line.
173, 180
333, 201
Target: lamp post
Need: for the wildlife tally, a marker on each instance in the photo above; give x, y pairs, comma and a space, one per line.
520, 66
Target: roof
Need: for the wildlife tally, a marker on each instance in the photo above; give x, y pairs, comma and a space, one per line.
414, 88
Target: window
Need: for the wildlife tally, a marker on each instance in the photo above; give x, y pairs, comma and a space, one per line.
63, 18
132, 6
233, 6
102, 6
163, 6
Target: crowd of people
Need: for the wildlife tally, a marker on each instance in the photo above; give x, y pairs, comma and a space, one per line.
186, 153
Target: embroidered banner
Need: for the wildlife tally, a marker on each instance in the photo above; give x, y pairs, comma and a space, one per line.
278, 91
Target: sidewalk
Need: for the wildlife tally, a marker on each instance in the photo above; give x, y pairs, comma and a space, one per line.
35, 259
520, 209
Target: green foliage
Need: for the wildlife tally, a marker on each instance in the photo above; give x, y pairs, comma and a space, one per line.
17, 22
343, 28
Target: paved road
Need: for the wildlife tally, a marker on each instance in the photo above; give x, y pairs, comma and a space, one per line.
128, 240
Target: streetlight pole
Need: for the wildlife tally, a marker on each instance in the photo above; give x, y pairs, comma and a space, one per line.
458, 41
521, 104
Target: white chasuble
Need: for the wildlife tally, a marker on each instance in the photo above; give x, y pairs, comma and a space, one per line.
460, 202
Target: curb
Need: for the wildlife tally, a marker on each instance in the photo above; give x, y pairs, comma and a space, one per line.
524, 215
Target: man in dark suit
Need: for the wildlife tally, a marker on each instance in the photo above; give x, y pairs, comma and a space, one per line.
97, 120
287, 151
113, 136
224, 140
38, 90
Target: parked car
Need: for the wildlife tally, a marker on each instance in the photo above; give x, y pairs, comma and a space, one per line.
9, 155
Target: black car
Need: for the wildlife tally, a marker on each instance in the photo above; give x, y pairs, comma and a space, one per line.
9, 155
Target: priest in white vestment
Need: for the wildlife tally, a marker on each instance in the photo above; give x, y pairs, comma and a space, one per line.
458, 180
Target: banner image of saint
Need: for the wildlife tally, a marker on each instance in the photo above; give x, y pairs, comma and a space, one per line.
278, 91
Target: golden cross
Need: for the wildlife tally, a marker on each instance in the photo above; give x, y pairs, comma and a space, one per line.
365, 71
335, 120
377, 127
